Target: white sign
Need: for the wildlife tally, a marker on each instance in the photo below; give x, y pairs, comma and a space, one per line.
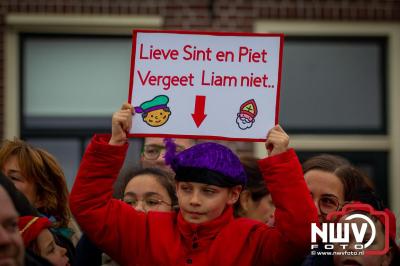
205, 84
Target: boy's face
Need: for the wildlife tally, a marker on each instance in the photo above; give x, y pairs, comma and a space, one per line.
201, 203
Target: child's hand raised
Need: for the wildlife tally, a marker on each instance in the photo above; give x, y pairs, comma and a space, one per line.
121, 124
277, 141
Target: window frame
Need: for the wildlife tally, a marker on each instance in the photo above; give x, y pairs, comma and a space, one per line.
389, 142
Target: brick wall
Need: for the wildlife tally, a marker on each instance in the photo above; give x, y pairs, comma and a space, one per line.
218, 15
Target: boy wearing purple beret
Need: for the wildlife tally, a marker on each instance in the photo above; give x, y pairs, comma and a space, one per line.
209, 178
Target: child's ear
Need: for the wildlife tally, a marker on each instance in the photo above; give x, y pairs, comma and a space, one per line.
234, 194
244, 200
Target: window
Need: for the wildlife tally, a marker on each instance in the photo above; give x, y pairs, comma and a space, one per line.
334, 85
71, 82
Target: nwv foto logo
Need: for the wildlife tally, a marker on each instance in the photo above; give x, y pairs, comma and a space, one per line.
353, 227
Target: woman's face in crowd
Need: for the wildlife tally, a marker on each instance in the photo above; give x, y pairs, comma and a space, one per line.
262, 210
49, 250
12, 170
201, 203
364, 260
326, 189
145, 193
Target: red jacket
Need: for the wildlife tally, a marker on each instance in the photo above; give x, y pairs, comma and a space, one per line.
157, 238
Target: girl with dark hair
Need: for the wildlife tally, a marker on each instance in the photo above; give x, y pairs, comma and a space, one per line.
255, 201
149, 189
37, 236
145, 189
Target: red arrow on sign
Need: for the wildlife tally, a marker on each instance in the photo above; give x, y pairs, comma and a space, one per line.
199, 106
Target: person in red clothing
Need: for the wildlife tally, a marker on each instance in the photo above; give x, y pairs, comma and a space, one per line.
209, 178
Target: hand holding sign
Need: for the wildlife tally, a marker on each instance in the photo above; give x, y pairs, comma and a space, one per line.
277, 141
205, 85
121, 124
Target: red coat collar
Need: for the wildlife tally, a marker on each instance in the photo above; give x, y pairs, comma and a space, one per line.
207, 230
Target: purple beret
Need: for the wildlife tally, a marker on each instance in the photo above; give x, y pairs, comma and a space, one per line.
210, 156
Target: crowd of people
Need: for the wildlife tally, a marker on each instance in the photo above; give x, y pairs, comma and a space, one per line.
187, 203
